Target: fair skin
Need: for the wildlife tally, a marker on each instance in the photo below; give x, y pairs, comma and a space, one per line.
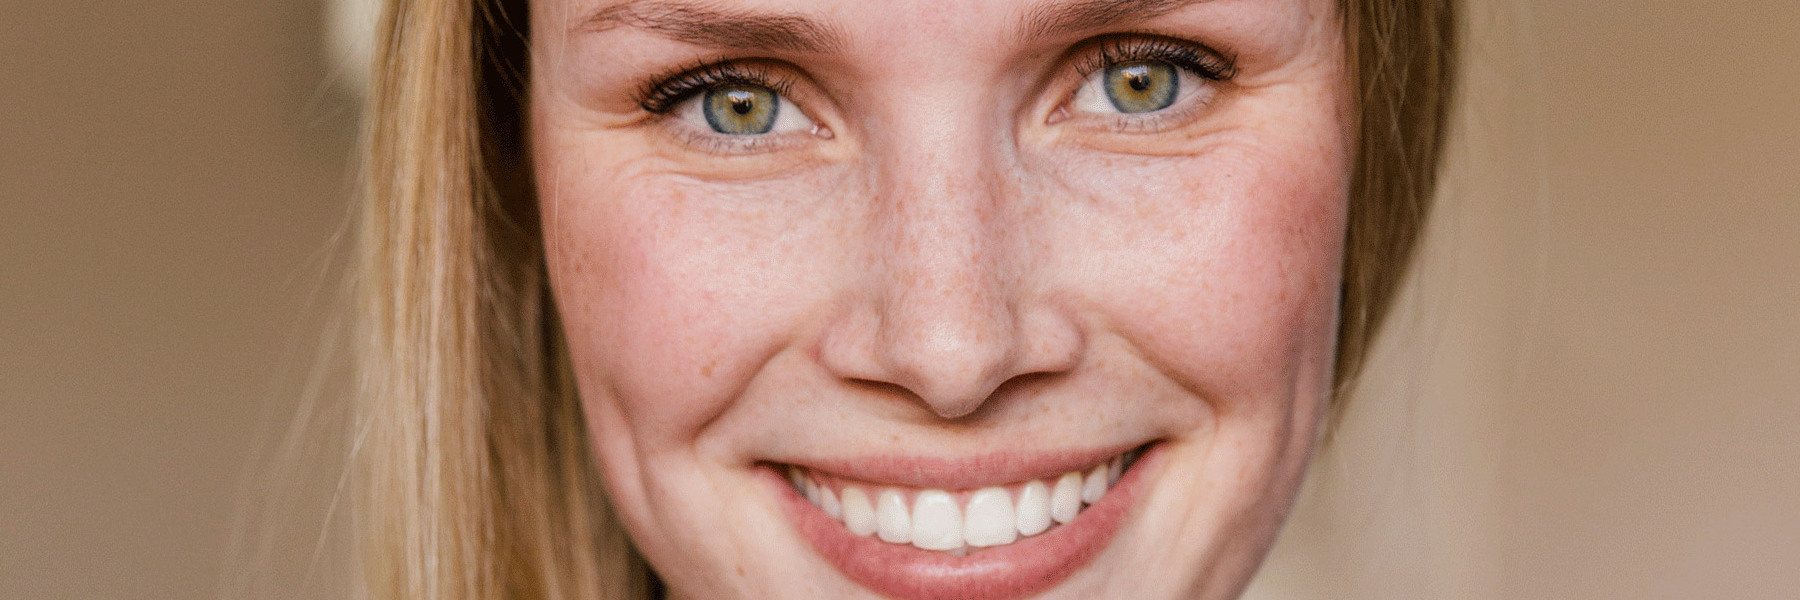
943, 248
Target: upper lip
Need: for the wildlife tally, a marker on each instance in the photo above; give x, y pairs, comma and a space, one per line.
963, 472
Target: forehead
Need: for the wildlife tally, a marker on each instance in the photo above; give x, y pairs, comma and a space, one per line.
829, 26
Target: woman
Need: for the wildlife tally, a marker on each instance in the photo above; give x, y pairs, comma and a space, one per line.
908, 299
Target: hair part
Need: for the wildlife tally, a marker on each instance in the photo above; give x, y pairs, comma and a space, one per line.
476, 476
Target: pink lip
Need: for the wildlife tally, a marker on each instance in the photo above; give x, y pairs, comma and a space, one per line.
1006, 572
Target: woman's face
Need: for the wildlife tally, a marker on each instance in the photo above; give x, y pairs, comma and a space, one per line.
946, 298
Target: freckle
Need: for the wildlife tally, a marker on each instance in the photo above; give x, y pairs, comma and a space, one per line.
706, 371
740, 570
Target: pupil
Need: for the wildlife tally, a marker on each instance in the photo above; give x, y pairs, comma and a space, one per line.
1138, 80
742, 102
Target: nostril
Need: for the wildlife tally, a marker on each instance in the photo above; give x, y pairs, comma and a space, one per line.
954, 362
949, 362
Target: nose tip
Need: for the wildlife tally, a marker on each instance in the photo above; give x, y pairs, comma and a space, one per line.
952, 360
951, 343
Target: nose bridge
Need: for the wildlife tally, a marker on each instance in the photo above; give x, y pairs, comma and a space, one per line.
947, 331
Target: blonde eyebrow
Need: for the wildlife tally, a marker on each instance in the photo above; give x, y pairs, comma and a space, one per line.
1063, 18
711, 25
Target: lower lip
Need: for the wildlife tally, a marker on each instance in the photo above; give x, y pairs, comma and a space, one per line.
1015, 570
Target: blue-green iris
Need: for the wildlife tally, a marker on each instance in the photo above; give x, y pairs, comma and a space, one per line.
1141, 86
741, 109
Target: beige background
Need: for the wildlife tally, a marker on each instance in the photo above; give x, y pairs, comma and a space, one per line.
1592, 394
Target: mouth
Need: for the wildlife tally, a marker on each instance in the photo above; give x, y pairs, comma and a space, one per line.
988, 528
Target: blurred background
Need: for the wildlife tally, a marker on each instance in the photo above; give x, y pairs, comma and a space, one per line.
1592, 392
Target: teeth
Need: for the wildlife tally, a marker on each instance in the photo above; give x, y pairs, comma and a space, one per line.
829, 502
958, 523
1034, 509
1065, 500
859, 514
891, 519
1094, 486
937, 521
990, 520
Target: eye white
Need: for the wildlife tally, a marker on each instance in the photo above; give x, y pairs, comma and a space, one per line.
1091, 96
788, 117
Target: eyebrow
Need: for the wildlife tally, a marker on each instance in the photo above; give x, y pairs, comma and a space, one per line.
1063, 18
711, 25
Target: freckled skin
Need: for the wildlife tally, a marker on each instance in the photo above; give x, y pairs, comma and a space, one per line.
948, 274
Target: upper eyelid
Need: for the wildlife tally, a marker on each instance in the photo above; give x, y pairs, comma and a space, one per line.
1102, 51
664, 93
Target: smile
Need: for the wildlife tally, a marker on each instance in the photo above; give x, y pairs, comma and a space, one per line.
981, 528
964, 521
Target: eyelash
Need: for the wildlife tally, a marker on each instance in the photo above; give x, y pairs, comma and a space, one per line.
1194, 58
670, 91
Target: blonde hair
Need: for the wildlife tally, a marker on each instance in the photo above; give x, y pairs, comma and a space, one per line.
476, 479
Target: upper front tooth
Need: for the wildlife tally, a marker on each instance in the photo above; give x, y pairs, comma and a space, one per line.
1114, 468
1065, 500
1095, 485
812, 491
891, 519
859, 515
937, 522
989, 520
1034, 508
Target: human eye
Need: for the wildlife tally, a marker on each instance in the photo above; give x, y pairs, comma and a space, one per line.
728, 107
1146, 83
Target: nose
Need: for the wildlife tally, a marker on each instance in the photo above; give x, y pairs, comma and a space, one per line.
951, 312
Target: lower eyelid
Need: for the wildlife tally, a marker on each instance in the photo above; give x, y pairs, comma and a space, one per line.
705, 140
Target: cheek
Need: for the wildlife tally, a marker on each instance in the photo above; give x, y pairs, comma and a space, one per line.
1223, 267
672, 291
